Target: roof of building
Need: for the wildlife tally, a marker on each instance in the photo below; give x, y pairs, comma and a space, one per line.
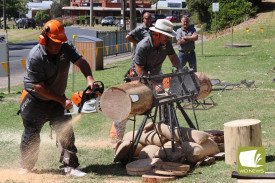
44, 5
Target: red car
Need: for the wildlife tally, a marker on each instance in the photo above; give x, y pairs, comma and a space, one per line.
173, 19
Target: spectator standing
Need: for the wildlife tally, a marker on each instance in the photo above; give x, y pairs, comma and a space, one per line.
186, 37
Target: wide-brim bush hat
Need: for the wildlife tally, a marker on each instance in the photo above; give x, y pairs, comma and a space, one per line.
164, 26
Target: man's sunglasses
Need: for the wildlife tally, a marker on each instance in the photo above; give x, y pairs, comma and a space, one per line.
148, 18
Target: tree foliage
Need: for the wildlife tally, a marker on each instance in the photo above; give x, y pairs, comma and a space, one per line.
56, 9
41, 17
13, 7
65, 3
231, 12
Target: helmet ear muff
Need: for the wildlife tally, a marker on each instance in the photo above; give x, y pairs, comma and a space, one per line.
156, 34
42, 39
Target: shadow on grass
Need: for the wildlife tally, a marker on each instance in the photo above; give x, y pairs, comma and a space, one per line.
270, 158
220, 55
1, 97
111, 169
49, 171
110, 67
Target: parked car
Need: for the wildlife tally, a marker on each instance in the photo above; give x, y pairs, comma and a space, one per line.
25, 23
172, 18
110, 20
155, 17
2, 38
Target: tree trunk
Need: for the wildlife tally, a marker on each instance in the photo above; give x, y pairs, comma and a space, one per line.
241, 133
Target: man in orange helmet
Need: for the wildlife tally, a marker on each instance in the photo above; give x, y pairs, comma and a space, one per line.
45, 83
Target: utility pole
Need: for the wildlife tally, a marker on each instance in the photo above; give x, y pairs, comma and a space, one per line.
123, 11
133, 22
91, 13
4, 14
156, 11
132, 14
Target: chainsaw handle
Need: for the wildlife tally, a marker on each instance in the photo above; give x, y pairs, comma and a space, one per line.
99, 87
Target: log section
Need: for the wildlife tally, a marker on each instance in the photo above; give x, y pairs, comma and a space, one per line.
126, 100
241, 133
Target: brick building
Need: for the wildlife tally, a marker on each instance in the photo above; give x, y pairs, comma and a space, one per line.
102, 9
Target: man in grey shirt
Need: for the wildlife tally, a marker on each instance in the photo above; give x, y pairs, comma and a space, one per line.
152, 51
186, 37
43, 98
140, 32
134, 36
149, 57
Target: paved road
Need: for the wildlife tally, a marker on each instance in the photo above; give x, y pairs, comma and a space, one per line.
18, 51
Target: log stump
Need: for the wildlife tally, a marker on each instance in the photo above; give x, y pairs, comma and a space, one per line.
241, 133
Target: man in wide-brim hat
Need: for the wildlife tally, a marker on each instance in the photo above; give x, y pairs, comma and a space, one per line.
149, 55
152, 51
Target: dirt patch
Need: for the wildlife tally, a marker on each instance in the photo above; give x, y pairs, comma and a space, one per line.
14, 176
97, 144
120, 181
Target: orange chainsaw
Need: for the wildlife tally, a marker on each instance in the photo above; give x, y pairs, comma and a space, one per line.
85, 101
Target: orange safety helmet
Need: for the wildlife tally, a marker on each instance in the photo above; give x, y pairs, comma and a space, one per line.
53, 30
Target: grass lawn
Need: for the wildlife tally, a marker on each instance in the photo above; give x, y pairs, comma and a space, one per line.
92, 131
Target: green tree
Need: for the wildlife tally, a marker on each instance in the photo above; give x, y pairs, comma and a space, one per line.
231, 12
65, 3
41, 17
56, 9
13, 8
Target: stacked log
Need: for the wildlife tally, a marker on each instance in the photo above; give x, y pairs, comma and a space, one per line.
218, 137
197, 145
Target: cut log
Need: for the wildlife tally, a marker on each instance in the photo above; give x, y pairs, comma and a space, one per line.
172, 166
205, 85
142, 165
157, 178
126, 100
139, 172
241, 133
169, 172
219, 155
208, 161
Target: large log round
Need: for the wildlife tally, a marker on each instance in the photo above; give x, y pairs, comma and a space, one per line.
241, 133
126, 100
205, 85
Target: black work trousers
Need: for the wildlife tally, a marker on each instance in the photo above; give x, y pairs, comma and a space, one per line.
35, 113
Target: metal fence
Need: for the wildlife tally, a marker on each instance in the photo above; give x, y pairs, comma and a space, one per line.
114, 42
